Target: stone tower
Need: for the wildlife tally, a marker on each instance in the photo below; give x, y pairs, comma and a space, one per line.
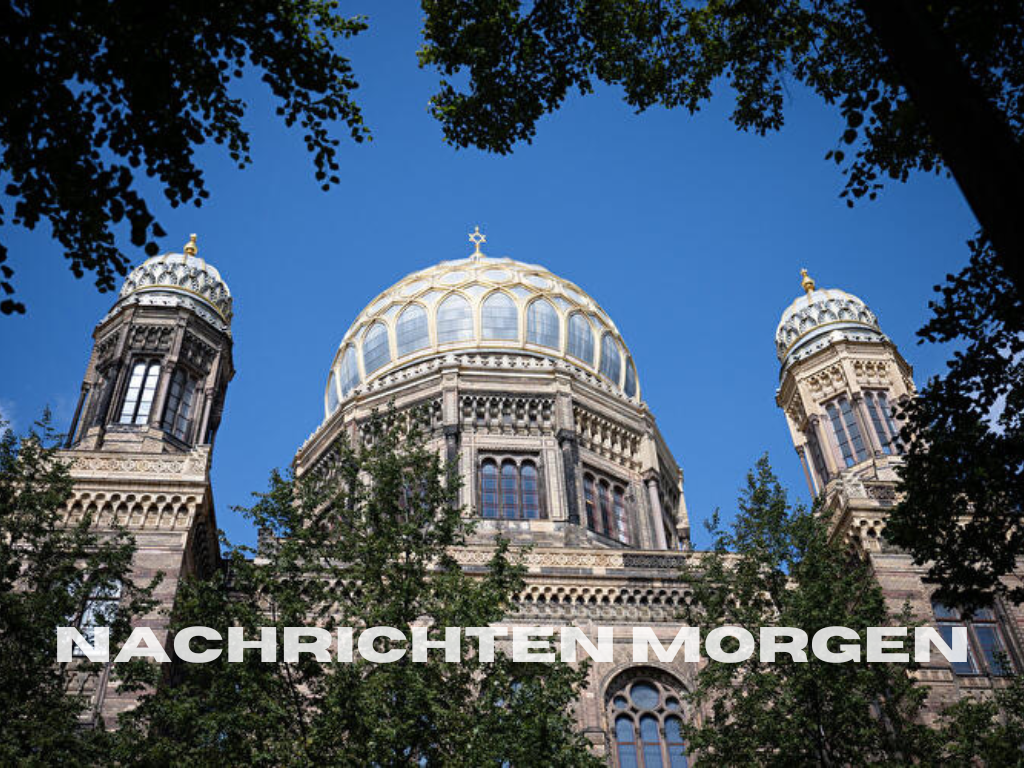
840, 378
140, 443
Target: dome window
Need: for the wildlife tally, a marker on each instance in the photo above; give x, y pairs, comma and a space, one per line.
630, 387
411, 332
542, 326
332, 394
500, 318
349, 371
611, 360
581, 339
454, 320
376, 351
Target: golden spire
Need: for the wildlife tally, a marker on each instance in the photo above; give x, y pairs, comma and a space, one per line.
807, 283
191, 249
476, 237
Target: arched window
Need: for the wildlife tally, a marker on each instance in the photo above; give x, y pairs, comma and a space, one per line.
630, 386
581, 339
375, 348
611, 360
489, 489
588, 502
138, 400
619, 507
529, 491
454, 320
180, 397
509, 490
542, 326
411, 332
349, 371
332, 393
646, 709
499, 318
846, 431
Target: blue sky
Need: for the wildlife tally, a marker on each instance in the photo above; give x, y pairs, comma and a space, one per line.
690, 234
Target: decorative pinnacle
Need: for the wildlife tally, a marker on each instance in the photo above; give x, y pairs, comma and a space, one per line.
191, 249
476, 237
807, 283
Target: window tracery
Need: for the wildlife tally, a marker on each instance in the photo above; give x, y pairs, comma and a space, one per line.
645, 712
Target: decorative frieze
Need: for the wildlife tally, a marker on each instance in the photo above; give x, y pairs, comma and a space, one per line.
607, 438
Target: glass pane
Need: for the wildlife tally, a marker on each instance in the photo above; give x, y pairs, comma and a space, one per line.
542, 326
853, 429
454, 320
652, 743
644, 695
530, 491
375, 348
623, 728
581, 339
840, 433
131, 398
509, 502
499, 318
620, 702
943, 611
588, 501
627, 756
992, 648
411, 331
349, 371
148, 390
611, 361
607, 518
672, 704
332, 394
184, 420
630, 388
959, 667
877, 423
489, 489
621, 526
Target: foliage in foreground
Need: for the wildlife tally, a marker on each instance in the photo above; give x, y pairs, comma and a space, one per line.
367, 543
48, 571
775, 566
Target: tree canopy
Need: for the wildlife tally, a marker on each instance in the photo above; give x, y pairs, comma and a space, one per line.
93, 93
369, 542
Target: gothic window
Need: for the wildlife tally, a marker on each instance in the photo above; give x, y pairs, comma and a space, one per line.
881, 419
611, 360
510, 489
986, 647
454, 320
646, 713
411, 333
376, 351
542, 325
349, 370
630, 387
499, 318
180, 403
138, 400
489, 489
581, 339
846, 430
332, 393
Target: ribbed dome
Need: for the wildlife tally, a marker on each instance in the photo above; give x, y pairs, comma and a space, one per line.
479, 303
818, 317
180, 278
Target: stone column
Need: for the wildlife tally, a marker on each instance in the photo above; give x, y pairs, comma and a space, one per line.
570, 460
658, 515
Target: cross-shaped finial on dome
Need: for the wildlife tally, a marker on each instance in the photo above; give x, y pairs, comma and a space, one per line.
191, 249
476, 237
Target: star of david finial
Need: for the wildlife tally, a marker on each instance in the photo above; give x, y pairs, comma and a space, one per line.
477, 238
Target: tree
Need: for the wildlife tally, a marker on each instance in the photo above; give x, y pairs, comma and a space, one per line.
775, 566
49, 570
921, 86
962, 479
94, 92
986, 732
366, 543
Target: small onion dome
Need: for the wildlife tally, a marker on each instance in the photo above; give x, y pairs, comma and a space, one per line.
820, 316
180, 279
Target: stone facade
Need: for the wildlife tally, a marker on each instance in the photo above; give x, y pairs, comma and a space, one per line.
531, 389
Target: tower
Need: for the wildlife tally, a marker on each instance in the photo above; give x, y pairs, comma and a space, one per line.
139, 447
840, 377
